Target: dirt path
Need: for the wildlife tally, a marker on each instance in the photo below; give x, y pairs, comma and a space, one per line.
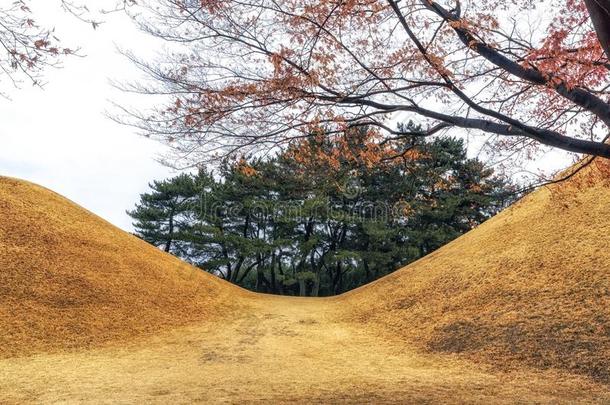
277, 350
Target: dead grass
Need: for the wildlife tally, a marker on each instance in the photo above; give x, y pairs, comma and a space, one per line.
253, 359
529, 287
69, 279
516, 311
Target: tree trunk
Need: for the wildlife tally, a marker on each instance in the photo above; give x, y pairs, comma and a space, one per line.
273, 281
229, 274
170, 232
259, 275
367, 271
259, 279
599, 10
337, 282
280, 285
315, 290
302, 287
235, 270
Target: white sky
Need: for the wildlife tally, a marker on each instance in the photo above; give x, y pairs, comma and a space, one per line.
59, 137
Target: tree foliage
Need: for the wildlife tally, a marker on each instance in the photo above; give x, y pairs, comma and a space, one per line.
162, 215
249, 75
28, 48
327, 214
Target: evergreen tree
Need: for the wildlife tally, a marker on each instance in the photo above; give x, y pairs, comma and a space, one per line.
162, 214
326, 215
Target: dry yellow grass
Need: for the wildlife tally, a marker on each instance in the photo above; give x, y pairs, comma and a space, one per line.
514, 312
69, 279
280, 350
529, 287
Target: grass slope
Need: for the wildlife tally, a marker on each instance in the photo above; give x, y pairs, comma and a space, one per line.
69, 279
527, 290
279, 350
529, 287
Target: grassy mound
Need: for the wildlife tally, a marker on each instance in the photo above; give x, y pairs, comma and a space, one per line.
69, 279
530, 286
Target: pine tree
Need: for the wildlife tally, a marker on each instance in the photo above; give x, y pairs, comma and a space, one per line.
325, 215
162, 213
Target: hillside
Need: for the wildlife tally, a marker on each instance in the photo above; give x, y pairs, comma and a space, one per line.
530, 286
516, 311
69, 279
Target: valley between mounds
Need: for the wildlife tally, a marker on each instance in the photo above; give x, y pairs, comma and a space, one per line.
516, 310
278, 350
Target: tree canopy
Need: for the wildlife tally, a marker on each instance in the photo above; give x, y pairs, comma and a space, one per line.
525, 73
28, 48
251, 75
325, 215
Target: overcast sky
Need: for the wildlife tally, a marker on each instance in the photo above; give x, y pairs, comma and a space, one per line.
59, 137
